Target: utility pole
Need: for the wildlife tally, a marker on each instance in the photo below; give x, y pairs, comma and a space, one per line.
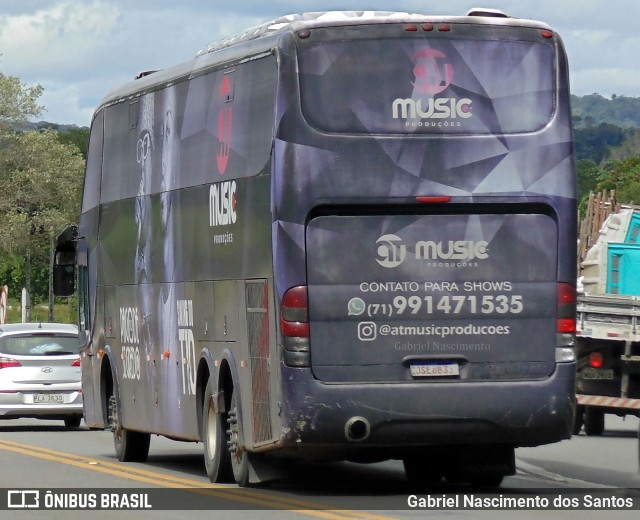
51, 259
26, 301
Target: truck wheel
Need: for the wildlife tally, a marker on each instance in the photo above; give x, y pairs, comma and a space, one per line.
593, 421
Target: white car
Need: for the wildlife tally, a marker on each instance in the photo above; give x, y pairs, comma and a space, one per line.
40, 372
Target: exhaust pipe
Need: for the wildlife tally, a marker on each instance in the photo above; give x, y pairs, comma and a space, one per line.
357, 429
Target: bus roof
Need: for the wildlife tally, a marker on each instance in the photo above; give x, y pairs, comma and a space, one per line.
264, 37
301, 21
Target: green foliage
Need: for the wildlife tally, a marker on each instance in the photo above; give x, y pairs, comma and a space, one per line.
63, 312
607, 146
595, 142
18, 102
39, 190
40, 184
594, 109
78, 137
624, 177
589, 174
12, 271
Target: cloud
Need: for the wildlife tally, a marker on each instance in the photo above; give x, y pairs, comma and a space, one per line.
605, 81
80, 50
54, 41
69, 102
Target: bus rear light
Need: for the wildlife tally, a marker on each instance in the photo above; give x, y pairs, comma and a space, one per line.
294, 326
294, 305
444, 28
566, 326
294, 329
566, 308
427, 27
546, 34
433, 199
596, 360
565, 355
613, 335
7, 362
410, 28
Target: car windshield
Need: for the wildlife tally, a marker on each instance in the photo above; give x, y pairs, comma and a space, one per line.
39, 345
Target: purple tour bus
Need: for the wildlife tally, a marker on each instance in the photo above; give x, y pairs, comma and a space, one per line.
336, 236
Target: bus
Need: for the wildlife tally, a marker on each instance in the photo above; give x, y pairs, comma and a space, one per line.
335, 236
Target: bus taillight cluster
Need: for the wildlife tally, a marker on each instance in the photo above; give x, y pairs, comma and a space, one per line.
566, 308
294, 325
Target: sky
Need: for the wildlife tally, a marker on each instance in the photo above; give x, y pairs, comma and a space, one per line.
79, 50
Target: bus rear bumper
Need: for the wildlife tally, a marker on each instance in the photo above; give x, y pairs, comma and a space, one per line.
401, 416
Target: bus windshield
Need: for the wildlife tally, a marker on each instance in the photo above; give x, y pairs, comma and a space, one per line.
428, 85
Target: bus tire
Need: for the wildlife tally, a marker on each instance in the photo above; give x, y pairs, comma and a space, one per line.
239, 457
593, 421
486, 479
217, 459
421, 471
73, 421
129, 445
578, 419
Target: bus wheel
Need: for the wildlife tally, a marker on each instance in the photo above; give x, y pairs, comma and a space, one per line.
486, 479
217, 459
423, 471
73, 421
593, 421
239, 457
130, 446
578, 419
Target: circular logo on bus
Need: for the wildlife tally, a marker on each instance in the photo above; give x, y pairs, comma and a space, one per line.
433, 73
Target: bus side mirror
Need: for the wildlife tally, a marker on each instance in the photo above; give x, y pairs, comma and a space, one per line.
64, 271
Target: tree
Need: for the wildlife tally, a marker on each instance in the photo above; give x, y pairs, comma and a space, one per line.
588, 173
629, 148
18, 102
76, 136
40, 184
624, 177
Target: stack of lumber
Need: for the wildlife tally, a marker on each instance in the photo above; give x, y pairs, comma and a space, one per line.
599, 207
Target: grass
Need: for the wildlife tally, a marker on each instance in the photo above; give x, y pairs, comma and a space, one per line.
62, 312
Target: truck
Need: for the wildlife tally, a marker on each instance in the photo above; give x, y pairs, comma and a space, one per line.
608, 324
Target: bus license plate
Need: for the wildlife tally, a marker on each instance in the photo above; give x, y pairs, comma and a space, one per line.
48, 398
449, 369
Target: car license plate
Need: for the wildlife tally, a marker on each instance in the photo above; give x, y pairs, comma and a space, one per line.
435, 370
597, 373
48, 398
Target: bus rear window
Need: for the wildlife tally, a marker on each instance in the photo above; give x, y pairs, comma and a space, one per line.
416, 86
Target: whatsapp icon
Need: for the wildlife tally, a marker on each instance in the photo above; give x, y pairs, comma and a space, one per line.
355, 307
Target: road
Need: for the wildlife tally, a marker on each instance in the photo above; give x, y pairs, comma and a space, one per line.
45, 455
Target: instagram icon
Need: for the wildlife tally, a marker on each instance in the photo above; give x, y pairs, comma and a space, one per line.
367, 331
